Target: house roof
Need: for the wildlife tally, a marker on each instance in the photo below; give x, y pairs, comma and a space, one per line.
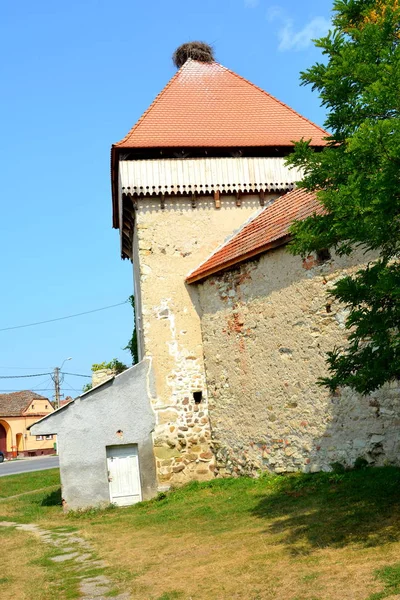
66, 400
266, 230
16, 403
207, 105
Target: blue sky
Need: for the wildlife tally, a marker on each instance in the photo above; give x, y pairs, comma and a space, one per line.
76, 75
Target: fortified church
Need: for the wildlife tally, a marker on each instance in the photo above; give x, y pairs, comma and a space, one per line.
236, 328
232, 330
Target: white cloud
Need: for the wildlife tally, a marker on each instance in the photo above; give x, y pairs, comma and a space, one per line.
275, 12
251, 3
289, 39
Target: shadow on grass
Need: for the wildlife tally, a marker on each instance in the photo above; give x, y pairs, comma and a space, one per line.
52, 499
313, 511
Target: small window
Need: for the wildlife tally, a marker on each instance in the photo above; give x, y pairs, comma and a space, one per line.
39, 438
197, 397
33, 407
323, 255
45, 406
48, 437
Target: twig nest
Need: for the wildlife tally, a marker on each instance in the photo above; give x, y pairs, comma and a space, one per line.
194, 50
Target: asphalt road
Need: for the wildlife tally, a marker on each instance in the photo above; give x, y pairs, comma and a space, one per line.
13, 467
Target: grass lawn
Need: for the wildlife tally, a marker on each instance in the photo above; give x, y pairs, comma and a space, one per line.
299, 537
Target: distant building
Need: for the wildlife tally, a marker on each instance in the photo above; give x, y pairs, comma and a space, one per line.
19, 410
66, 400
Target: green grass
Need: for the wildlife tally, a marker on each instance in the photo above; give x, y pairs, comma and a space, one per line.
298, 537
63, 578
390, 576
12, 485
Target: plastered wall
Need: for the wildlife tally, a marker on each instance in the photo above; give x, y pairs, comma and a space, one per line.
168, 244
118, 412
266, 329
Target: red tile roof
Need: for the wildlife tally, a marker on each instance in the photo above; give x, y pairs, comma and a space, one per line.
266, 230
207, 105
66, 401
16, 403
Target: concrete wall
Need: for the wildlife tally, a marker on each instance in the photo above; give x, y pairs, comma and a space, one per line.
167, 245
115, 413
266, 328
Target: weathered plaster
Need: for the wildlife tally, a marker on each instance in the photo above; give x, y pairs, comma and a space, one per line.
266, 329
167, 245
94, 421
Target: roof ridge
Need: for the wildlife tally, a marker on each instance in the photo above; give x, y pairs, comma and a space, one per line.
260, 89
248, 242
152, 105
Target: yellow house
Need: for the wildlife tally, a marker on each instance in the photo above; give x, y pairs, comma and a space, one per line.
19, 410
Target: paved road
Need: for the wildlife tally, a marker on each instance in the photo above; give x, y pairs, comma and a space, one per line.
13, 467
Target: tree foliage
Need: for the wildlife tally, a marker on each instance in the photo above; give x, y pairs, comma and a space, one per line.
132, 345
114, 365
357, 179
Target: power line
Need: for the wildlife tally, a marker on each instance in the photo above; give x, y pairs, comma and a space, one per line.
70, 388
23, 376
42, 383
46, 390
88, 312
26, 368
75, 374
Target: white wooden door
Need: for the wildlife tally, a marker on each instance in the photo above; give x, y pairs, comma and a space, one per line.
123, 474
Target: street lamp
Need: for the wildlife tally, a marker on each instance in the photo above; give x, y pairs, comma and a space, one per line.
65, 360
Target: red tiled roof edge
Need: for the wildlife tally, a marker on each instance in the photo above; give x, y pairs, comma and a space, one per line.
274, 98
265, 231
121, 144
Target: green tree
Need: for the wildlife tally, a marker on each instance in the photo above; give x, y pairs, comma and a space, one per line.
114, 365
132, 345
357, 179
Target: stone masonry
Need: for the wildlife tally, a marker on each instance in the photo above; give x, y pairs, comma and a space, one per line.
267, 326
168, 243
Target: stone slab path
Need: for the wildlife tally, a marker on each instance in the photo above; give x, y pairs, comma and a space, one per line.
78, 554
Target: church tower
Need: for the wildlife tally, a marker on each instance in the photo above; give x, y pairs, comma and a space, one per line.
206, 155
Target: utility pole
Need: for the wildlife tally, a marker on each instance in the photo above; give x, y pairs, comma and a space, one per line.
56, 379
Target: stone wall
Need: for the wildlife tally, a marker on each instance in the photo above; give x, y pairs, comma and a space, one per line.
168, 244
102, 375
266, 329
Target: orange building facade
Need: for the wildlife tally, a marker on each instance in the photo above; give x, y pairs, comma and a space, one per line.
19, 410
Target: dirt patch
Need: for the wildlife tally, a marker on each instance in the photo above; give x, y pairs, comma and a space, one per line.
78, 553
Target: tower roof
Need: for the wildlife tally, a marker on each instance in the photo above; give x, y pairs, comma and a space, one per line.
207, 105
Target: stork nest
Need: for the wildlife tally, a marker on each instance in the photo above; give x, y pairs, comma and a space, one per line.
194, 50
